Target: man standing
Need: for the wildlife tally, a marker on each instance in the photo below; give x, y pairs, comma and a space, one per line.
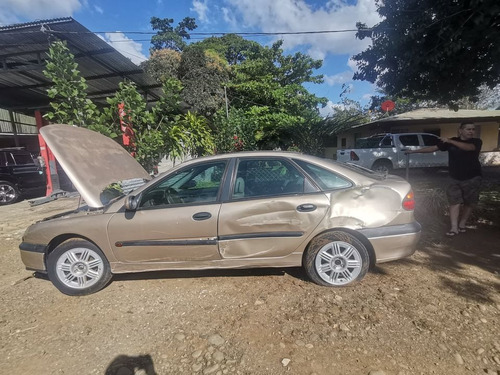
465, 173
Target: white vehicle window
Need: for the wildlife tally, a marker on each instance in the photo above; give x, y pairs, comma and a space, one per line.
430, 140
409, 140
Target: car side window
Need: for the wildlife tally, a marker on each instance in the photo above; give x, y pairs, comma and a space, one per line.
8, 160
326, 179
386, 142
430, 140
409, 140
23, 159
196, 184
266, 177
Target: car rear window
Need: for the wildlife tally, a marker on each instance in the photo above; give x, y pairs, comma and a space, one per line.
326, 179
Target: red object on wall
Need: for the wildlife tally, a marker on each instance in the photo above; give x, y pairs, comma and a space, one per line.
48, 157
388, 105
128, 136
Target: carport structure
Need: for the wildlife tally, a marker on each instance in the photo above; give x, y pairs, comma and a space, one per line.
23, 86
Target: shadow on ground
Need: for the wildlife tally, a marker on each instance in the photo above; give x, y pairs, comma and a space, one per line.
460, 258
127, 365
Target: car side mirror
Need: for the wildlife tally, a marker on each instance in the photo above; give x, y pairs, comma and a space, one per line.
131, 203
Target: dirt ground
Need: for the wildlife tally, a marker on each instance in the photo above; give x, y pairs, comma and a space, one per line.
437, 312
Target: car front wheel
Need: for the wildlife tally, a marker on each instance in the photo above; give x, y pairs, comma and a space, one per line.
336, 258
8, 193
78, 267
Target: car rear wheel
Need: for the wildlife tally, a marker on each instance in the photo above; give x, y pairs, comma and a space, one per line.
8, 193
336, 258
78, 267
382, 166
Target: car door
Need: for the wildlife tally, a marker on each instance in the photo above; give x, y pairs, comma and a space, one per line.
24, 171
436, 158
176, 219
272, 209
409, 142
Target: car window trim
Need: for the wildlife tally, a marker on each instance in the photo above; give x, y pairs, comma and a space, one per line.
180, 170
319, 187
280, 158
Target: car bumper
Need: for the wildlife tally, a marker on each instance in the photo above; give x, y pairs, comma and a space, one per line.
32, 256
393, 242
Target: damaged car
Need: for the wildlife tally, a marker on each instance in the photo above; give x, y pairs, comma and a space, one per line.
239, 210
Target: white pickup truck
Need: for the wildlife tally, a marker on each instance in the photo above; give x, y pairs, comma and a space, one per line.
384, 152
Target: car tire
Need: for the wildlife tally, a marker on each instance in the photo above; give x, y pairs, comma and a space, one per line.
382, 166
78, 267
8, 193
336, 259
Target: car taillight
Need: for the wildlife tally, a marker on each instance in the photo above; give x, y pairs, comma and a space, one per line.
409, 201
353, 156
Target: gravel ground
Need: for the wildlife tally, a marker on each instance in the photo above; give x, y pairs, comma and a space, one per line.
437, 312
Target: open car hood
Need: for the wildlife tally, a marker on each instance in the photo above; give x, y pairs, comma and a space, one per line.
91, 160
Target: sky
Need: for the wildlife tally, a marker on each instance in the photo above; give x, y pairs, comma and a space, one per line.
123, 24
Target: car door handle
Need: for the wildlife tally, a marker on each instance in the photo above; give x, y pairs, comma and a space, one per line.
307, 207
202, 216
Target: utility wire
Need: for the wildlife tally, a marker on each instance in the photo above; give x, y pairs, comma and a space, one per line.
194, 33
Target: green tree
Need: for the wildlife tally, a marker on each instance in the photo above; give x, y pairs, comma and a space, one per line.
233, 48
268, 87
169, 37
163, 64
70, 104
183, 134
199, 139
436, 50
203, 75
345, 116
310, 137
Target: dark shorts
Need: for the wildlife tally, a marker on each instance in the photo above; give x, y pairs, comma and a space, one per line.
466, 191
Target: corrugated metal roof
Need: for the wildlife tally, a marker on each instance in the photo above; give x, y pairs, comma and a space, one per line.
23, 51
433, 116
443, 114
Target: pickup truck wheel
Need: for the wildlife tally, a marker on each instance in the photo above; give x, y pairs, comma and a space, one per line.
78, 267
383, 166
8, 193
336, 258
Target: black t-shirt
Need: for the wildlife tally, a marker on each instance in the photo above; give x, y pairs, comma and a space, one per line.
463, 165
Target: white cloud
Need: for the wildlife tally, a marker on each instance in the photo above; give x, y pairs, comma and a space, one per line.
201, 8
339, 79
126, 47
13, 11
98, 9
328, 109
298, 15
229, 17
344, 77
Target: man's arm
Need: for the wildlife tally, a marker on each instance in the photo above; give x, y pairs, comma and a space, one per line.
424, 150
461, 145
